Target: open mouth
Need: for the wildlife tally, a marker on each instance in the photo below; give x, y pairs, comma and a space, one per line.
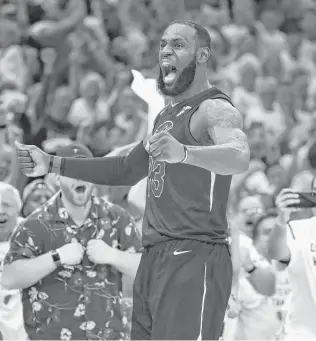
80, 189
169, 73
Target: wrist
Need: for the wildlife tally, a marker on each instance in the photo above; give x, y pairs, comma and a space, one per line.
281, 221
112, 256
55, 164
56, 258
185, 158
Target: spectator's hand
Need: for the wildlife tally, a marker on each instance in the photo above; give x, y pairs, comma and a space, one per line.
99, 252
71, 254
33, 161
286, 198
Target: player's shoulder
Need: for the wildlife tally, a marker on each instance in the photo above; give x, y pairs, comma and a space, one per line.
219, 110
218, 105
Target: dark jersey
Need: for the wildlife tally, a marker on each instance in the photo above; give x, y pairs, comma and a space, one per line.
184, 201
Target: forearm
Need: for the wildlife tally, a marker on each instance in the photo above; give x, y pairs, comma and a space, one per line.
278, 248
26, 272
111, 171
263, 280
220, 159
126, 263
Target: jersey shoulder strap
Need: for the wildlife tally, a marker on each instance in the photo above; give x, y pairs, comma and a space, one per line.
215, 93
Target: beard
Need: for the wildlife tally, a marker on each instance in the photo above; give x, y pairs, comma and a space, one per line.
182, 82
78, 200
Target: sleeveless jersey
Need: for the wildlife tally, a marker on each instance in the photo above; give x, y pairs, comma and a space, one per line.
184, 201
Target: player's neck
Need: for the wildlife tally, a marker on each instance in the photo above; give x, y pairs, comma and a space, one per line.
194, 89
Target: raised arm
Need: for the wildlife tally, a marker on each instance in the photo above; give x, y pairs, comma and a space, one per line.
111, 171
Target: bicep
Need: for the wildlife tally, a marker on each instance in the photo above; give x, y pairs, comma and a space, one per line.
223, 121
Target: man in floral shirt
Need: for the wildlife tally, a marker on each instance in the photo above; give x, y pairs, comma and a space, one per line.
69, 257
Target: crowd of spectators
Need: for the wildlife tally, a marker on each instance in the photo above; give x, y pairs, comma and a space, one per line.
84, 71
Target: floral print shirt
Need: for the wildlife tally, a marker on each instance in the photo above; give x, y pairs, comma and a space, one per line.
81, 302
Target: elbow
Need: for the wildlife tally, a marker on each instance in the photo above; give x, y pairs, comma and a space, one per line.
239, 163
242, 162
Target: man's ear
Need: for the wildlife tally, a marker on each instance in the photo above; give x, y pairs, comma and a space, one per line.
203, 55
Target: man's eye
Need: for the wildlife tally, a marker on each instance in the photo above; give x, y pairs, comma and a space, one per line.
178, 46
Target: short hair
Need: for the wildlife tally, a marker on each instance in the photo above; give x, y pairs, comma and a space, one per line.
202, 35
16, 195
268, 215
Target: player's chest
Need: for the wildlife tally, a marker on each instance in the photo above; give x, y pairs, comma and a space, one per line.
181, 126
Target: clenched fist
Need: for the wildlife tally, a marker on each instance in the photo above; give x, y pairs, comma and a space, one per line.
164, 147
99, 252
71, 254
33, 161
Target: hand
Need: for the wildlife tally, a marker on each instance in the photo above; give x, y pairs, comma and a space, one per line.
71, 254
285, 198
33, 161
99, 252
164, 147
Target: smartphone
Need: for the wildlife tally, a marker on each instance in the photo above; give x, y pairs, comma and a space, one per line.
307, 200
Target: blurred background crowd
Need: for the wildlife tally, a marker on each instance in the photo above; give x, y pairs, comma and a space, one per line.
84, 70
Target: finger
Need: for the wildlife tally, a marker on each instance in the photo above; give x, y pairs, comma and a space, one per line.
27, 171
290, 202
286, 190
25, 159
23, 153
154, 146
156, 137
163, 156
27, 167
21, 146
287, 196
157, 153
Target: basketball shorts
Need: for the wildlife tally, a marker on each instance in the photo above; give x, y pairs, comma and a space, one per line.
181, 291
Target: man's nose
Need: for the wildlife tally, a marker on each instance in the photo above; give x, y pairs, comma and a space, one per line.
166, 51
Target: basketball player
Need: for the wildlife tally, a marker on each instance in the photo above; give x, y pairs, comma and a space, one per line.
184, 278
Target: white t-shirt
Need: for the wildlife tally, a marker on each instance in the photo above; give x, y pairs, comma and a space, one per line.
146, 89
257, 319
302, 323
